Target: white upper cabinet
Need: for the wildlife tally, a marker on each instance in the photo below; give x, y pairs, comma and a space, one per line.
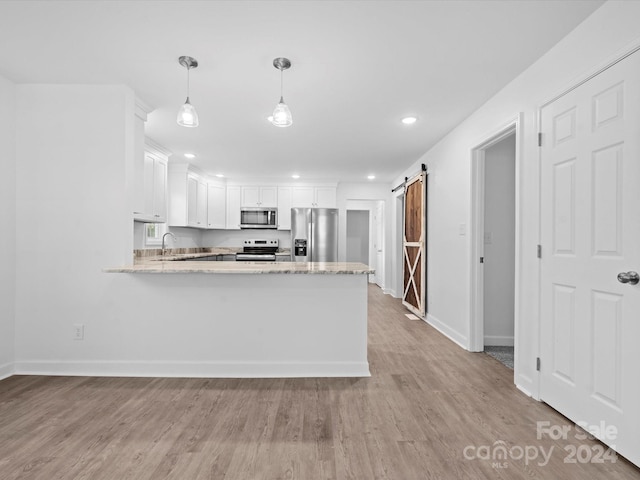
257, 196
201, 203
150, 176
233, 208
302, 197
325, 197
160, 189
284, 208
216, 206
187, 197
313, 197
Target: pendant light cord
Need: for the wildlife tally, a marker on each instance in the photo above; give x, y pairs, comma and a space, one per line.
188, 81
281, 83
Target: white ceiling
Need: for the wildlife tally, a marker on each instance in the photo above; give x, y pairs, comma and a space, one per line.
358, 68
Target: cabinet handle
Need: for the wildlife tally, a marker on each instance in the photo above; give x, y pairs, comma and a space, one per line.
137, 213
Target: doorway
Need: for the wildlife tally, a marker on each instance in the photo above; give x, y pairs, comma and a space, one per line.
365, 236
495, 241
499, 249
358, 236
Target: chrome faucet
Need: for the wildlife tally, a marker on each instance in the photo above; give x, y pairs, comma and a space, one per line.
163, 237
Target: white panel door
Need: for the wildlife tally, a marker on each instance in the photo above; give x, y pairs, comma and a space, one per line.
590, 211
379, 244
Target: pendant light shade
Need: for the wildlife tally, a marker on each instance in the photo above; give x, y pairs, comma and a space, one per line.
187, 115
282, 114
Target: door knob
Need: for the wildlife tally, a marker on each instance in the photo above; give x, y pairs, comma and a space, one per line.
628, 277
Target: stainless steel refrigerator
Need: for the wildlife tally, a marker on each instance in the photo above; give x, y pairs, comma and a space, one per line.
314, 234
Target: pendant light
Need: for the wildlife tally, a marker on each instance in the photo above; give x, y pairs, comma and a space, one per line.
187, 116
282, 114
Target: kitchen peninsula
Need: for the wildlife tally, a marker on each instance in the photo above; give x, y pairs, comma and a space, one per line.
249, 319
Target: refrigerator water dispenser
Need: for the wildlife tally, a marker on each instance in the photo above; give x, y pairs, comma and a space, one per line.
300, 247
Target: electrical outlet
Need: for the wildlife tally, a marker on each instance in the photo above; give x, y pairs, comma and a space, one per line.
78, 331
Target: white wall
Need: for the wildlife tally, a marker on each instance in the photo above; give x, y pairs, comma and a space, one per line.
75, 149
499, 242
610, 29
8, 225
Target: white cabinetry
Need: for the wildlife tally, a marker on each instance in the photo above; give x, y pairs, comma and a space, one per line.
284, 208
150, 179
256, 196
216, 206
325, 197
233, 208
313, 197
196, 201
187, 197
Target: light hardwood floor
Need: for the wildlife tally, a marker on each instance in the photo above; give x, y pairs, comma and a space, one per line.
425, 403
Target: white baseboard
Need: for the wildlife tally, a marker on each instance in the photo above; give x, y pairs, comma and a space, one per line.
389, 291
447, 331
498, 341
6, 370
193, 369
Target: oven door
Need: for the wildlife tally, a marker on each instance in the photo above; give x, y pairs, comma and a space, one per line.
255, 257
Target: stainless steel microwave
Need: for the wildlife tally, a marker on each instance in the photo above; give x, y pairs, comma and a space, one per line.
258, 217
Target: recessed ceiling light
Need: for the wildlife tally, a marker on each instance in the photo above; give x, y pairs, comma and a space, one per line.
409, 120
190, 155
219, 175
371, 177
296, 176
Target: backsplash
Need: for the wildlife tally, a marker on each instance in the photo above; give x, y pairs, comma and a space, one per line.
234, 238
154, 252
193, 238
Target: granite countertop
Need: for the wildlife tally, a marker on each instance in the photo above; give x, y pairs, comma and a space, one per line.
176, 254
331, 268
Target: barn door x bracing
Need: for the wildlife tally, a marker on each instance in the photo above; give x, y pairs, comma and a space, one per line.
413, 245
590, 231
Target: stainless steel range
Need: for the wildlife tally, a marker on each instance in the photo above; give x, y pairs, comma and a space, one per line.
258, 250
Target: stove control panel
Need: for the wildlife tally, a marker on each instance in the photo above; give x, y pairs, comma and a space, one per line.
260, 243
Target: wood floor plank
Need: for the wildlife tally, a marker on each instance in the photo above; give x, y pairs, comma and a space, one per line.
426, 401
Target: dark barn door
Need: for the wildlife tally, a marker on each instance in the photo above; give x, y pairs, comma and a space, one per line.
414, 259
